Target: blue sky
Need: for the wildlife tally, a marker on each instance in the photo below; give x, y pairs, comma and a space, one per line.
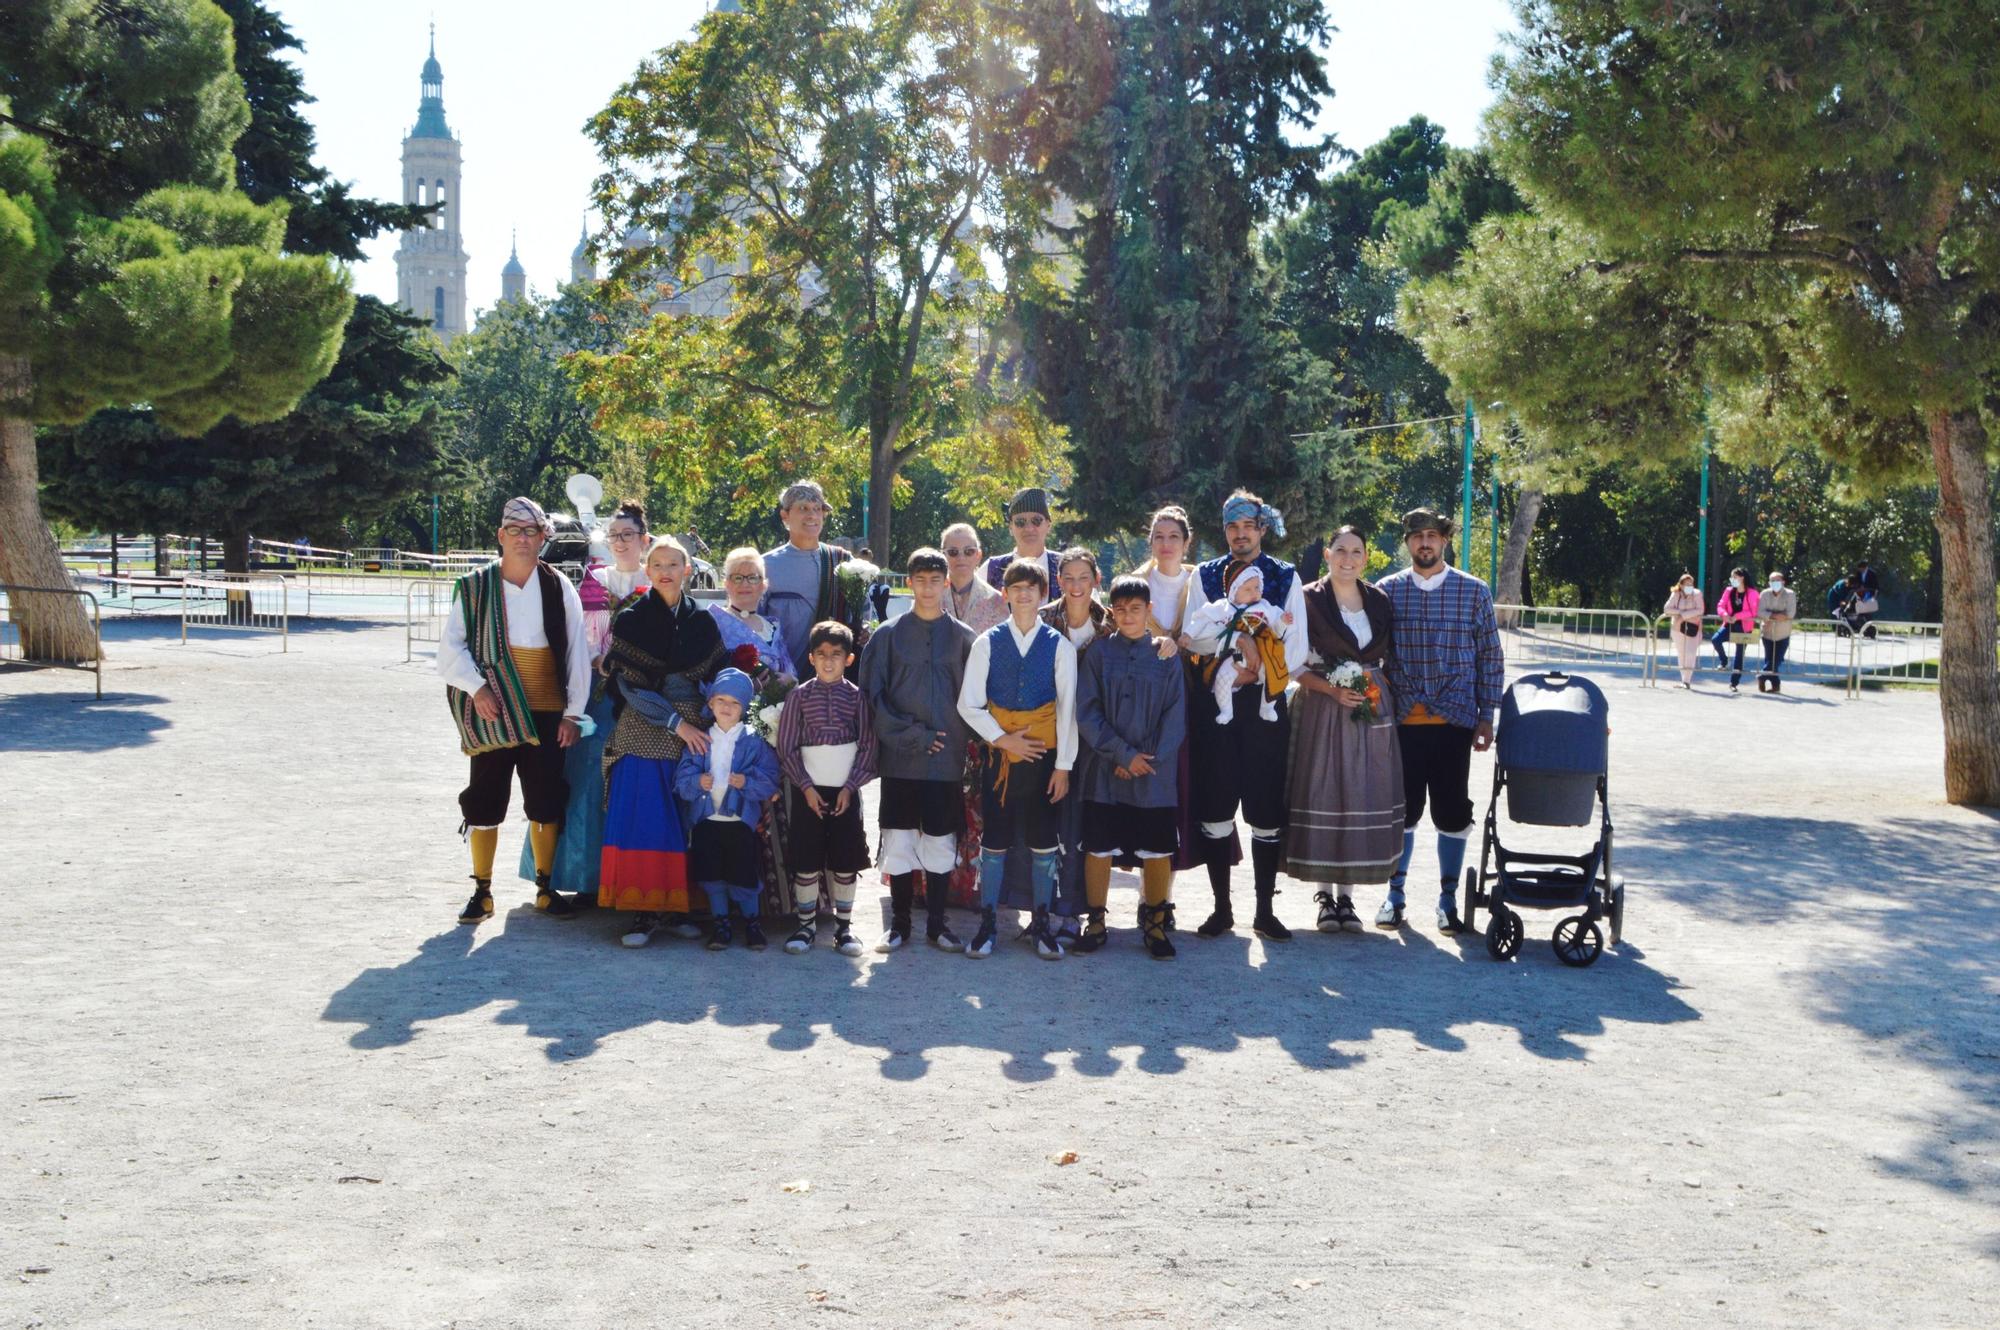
520, 79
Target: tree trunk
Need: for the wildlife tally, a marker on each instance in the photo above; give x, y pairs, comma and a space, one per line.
881, 500
1514, 554
1968, 668
51, 628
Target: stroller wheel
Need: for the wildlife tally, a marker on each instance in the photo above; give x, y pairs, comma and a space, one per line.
1577, 941
1503, 934
1471, 898
1618, 912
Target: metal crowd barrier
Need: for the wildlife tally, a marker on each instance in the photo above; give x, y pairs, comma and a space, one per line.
1826, 651
239, 603
16, 646
1537, 635
425, 603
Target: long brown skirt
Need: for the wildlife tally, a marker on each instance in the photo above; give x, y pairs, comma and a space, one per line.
1346, 820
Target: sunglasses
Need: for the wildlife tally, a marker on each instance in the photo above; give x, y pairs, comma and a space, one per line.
972, 553
1030, 520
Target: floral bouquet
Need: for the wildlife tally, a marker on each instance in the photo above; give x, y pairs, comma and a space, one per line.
1354, 676
772, 689
854, 577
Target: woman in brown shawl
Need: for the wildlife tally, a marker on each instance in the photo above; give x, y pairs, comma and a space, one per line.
1346, 820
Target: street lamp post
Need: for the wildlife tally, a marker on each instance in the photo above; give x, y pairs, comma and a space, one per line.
1465, 496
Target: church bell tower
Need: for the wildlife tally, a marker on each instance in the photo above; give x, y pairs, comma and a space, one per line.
430, 264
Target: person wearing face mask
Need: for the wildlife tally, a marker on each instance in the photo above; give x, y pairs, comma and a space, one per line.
1684, 605
1738, 610
1778, 606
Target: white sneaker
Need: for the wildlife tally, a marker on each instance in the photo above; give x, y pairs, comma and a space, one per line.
891, 941
845, 942
641, 931
1389, 916
801, 940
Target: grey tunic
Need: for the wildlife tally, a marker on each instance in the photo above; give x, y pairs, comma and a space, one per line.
1129, 701
910, 672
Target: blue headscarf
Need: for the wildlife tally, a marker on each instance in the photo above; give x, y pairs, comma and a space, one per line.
732, 682
1239, 506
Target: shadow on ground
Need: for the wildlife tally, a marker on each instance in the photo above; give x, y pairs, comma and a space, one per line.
1321, 999
78, 722
1907, 924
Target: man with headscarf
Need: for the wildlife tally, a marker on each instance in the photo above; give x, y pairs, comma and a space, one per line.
516, 665
1242, 762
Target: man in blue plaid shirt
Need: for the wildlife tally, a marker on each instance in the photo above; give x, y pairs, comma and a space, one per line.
1447, 672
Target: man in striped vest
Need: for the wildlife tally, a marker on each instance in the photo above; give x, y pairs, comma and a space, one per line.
517, 673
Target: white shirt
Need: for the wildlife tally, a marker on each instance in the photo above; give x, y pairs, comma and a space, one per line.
1357, 623
523, 605
1293, 633
1167, 594
972, 692
1432, 582
722, 753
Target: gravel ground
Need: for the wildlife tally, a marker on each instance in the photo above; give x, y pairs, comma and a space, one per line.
255, 1075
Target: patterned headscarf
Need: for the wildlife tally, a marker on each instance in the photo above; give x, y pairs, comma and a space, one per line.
525, 512
1239, 506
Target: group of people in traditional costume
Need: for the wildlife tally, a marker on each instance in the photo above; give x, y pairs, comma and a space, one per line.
1028, 729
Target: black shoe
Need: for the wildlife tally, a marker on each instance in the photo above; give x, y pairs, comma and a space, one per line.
1094, 934
753, 935
1343, 911
552, 902
1156, 924
982, 941
720, 936
1266, 926
1218, 923
1448, 920
480, 908
1329, 913
1044, 937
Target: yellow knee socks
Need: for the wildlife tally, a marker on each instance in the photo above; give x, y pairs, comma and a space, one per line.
485, 840
1097, 879
1156, 877
542, 835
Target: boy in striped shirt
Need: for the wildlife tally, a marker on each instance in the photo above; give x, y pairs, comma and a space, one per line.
826, 749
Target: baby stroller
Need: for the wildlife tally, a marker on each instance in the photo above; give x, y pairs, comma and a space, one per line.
1553, 756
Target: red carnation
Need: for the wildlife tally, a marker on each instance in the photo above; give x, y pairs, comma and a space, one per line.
745, 658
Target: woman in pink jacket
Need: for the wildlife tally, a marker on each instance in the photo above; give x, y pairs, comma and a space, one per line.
1738, 609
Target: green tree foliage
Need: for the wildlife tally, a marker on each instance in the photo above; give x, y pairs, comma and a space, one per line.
130, 269
522, 425
839, 174
1162, 353
362, 440
1792, 205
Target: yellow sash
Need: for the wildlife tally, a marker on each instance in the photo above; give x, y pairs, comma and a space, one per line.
1040, 724
537, 668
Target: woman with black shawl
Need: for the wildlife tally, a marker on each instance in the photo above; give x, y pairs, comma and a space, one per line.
663, 650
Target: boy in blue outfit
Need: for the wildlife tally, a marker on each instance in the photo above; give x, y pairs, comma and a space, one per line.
724, 789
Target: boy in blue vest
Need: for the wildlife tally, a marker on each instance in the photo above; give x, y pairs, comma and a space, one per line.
1019, 695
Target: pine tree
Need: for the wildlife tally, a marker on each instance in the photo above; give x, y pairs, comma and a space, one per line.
130, 268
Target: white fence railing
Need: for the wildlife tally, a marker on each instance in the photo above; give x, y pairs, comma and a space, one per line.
19, 645
237, 603
425, 603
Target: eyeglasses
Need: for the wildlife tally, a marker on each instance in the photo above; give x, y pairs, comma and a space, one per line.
626, 535
520, 532
972, 553
746, 579
1030, 519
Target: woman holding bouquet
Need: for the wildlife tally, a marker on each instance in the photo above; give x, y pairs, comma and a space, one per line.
662, 651
1346, 820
